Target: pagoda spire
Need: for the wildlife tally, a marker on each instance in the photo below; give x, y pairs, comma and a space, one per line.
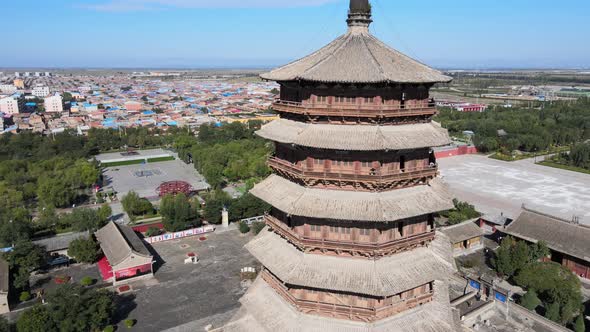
359, 14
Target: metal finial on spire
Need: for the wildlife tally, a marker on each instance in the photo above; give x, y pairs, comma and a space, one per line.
360, 6
359, 14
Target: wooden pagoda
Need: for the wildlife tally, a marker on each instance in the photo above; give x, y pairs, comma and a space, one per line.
350, 243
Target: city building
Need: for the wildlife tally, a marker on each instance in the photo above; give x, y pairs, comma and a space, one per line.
133, 106
40, 91
19, 83
351, 243
54, 104
567, 240
125, 254
8, 88
9, 105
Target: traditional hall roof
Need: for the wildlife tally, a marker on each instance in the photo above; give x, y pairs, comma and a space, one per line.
383, 277
357, 57
463, 231
356, 138
559, 235
119, 243
387, 206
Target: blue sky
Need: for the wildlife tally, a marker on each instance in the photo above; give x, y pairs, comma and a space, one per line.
263, 33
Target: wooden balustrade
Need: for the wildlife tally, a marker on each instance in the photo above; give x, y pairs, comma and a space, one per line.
380, 178
355, 110
354, 248
352, 312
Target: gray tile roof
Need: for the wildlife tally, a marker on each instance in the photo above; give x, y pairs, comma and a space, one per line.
463, 231
383, 277
559, 235
263, 310
60, 242
386, 206
357, 57
119, 242
356, 138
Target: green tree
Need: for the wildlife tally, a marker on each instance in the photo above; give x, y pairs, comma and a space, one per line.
552, 312
177, 212
520, 255
135, 205
503, 258
530, 300
538, 251
247, 206
84, 250
37, 319
75, 308
56, 191
215, 201
82, 220
580, 324
25, 258
105, 212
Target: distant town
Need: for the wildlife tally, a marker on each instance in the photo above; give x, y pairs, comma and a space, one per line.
50, 103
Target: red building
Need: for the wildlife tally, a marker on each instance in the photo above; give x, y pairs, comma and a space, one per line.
125, 254
351, 243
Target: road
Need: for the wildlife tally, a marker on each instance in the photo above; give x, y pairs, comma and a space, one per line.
495, 186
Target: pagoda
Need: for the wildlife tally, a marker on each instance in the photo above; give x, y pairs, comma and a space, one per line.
350, 243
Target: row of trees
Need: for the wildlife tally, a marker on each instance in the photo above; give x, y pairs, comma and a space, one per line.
548, 284
560, 124
579, 156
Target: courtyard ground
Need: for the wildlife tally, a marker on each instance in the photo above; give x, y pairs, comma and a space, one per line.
191, 295
495, 186
144, 179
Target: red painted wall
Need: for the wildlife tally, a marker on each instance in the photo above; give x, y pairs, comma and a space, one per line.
459, 151
144, 228
131, 272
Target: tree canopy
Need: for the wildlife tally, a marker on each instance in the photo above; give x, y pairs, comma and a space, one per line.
136, 206
559, 124
178, 212
84, 250
24, 258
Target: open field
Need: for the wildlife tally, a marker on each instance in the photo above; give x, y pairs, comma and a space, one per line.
495, 186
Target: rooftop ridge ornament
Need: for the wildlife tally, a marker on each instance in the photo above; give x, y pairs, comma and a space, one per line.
359, 14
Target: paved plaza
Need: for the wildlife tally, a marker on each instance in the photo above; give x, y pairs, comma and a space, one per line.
193, 296
144, 179
495, 186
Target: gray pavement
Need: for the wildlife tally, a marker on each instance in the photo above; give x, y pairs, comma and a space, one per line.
495, 186
145, 179
192, 296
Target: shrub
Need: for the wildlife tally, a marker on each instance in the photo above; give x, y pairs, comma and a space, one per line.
153, 231
257, 227
129, 323
86, 281
530, 300
25, 296
109, 328
243, 227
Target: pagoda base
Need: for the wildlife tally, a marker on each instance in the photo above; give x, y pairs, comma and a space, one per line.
265, 310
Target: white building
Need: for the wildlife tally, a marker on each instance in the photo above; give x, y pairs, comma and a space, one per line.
8, 88
41, 91
54, 104
9, 105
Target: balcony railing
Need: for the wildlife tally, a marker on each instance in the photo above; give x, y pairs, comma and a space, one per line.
357, 313
378, 177
372, 249
420, 108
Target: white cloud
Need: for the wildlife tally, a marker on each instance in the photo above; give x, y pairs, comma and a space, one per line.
135, 5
